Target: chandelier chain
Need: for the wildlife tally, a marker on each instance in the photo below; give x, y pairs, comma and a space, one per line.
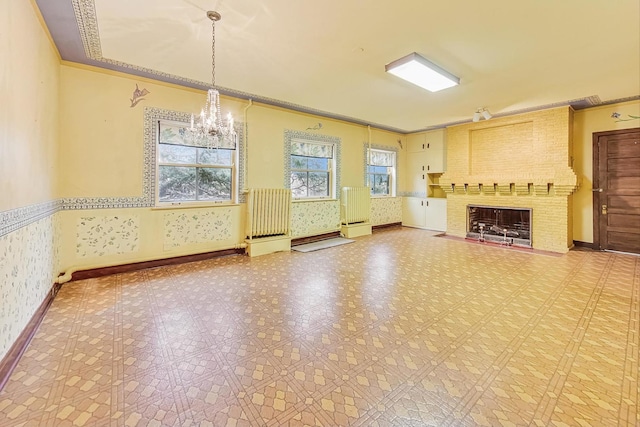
211, 130
213, 53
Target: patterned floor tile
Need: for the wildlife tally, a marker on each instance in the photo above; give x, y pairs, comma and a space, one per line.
401, 328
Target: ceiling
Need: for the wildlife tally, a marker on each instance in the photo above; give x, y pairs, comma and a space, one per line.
328, 57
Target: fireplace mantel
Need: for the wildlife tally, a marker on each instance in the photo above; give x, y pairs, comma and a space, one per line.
520, 161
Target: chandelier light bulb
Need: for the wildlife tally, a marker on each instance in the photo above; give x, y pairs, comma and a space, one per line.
210, 130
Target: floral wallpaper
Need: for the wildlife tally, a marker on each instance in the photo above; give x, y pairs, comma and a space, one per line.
29, 262
309, 218
102, 235
386, 210
188, 227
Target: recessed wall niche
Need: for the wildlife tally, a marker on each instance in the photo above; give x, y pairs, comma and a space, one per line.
504, 149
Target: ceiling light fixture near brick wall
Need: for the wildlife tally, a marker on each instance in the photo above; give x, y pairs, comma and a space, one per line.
422, 72
481, 112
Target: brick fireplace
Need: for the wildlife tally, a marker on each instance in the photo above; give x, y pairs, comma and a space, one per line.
521, 161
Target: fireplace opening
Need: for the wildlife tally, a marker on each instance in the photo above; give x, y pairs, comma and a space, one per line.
508, 226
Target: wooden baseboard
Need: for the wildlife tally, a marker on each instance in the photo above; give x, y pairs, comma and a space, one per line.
384, 226
11, 359
126, 268
585, 245
316, 238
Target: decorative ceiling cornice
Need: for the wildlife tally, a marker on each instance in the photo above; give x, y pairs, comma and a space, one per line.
84, 47
85, 14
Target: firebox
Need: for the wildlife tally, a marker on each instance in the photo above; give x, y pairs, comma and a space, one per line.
508, 226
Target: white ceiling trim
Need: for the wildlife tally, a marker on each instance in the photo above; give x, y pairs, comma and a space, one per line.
282, 51
86, 18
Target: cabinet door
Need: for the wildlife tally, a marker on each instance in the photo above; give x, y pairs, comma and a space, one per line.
416, 143
435, 140
435, 161
436, 214
416, 172
413, 212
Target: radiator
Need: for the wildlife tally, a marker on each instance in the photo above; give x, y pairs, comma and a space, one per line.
355, 205
268, 212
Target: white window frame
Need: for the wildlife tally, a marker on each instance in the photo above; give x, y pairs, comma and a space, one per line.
329, 171
291, 137
392, 173
193, 203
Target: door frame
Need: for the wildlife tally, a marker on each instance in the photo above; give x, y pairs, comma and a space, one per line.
596, 180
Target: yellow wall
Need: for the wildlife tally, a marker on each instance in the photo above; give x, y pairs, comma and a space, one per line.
585, 123
69, 131
28, 109
28, 173
266, 127
101, 138
101, 135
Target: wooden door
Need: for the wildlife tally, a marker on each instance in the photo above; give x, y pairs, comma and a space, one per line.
616, 190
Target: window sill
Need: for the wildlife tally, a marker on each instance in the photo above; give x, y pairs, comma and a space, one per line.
170, 206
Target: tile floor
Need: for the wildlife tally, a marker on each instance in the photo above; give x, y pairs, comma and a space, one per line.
397, 329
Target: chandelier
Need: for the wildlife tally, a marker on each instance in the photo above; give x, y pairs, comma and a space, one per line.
209, 129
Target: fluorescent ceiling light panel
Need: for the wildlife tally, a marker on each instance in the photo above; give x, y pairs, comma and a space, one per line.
422, 72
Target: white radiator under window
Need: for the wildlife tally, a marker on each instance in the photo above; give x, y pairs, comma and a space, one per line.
268, 212
355, 205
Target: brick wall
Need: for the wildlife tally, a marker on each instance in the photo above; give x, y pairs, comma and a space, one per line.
516, 161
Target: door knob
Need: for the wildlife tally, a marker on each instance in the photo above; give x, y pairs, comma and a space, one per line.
604, 209
599, 190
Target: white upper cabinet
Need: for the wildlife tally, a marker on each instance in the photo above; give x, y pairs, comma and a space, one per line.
417, 172
435, 140
435, 148
416, 143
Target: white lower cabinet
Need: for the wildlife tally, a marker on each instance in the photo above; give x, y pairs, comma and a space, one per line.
436, 215
414, 212
429, 213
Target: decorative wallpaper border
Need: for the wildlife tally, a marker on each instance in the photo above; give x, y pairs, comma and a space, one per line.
85, 12
422, 194
289, 135
78, 203
89, 37
16, 219
385, 148
147, 199
86, 18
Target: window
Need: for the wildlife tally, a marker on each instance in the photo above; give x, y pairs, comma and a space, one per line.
381, 171
188, 173
312, 169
